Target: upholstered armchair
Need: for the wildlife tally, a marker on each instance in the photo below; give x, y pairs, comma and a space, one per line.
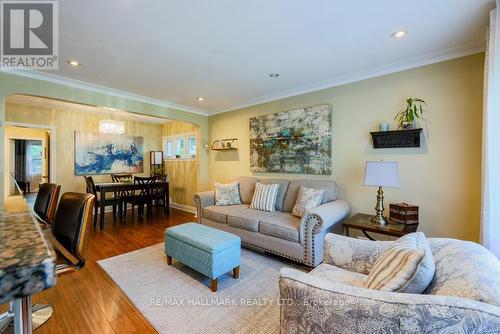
464, 296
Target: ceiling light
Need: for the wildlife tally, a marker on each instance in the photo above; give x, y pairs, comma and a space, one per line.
109, 108
73, 63
200, 99
274, 75
111, 126
398, 34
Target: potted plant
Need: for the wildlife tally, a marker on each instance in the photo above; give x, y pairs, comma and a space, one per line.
414, 110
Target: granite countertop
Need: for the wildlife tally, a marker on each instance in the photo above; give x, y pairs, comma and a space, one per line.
27, 261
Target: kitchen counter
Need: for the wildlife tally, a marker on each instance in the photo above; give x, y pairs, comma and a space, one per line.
27, 261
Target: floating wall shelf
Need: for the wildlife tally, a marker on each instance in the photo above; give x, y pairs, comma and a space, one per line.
396, 139
230, 144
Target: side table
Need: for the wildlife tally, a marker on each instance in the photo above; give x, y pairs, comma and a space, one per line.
362, 221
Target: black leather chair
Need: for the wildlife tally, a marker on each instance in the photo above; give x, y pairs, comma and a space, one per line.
69, 235
46, 202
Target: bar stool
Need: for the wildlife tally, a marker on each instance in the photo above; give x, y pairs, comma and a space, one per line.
46, 202
68, 234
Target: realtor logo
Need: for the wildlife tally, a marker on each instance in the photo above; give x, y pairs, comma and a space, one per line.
29, 37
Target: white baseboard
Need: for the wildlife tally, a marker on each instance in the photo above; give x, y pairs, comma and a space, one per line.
187, 208
183, 207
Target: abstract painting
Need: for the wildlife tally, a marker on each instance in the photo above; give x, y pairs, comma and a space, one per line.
296, 141
107, 153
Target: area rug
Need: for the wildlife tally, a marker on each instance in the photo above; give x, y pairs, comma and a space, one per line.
177, 299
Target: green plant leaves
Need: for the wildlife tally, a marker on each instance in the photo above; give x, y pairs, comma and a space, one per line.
414, 110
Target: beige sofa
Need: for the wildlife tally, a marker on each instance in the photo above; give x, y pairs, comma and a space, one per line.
279, 232
463, 297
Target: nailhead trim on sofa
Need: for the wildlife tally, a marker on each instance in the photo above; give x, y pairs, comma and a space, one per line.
308, 238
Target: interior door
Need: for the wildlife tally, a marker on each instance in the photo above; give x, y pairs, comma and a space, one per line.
46, 158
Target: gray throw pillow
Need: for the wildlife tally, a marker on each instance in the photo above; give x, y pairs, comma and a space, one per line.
227, 194
307, 199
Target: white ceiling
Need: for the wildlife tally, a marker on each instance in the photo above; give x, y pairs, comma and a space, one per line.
224, 50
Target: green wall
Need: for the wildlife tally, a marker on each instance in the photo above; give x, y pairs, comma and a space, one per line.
14, 84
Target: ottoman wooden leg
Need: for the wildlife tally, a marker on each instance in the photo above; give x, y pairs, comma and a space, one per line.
236, 272
213, 285
169, 260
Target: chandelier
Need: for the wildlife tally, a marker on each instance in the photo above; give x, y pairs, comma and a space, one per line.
111, 126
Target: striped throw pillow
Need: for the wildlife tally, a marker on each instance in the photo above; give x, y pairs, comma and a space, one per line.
406, 266
264, 197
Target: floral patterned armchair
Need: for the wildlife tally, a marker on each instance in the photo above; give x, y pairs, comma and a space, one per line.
464, 296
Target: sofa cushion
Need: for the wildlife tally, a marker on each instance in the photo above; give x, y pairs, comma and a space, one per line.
465, 269
283, 226
264, 197
307, 199
283, 186
219, 214
294, 186
339, 275
247, 188
247, 219
227, 194
407, 266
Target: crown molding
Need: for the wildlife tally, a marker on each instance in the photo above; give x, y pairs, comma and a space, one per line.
28, 73
428, 59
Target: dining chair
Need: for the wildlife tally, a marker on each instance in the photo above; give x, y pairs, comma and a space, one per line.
145, 196
159, 193
125, 193
69, 235
46, 202
121, 177
114, 202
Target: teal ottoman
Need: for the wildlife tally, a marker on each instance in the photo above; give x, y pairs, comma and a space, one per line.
209, 251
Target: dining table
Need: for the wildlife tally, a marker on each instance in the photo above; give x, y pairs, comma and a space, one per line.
118, 187
27, 260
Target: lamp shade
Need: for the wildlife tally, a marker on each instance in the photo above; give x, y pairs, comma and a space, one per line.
156, 157
382, 174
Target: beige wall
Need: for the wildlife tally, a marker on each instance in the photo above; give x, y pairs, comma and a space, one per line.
183, 174
66, 122
443, 177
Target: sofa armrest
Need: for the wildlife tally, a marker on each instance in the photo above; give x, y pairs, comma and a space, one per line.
315, 224
326, 215
201, 200
310, 303
352, 254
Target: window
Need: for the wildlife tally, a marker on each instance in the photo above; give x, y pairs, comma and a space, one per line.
35, 158
181, 146
192, 146
169, 149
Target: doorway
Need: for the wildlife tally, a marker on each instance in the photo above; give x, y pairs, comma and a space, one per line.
27, 158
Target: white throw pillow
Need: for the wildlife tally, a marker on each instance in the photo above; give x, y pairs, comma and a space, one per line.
227, 194
264, 197
307, 199
406, 266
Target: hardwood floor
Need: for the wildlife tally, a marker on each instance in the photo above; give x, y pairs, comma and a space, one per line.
88, 301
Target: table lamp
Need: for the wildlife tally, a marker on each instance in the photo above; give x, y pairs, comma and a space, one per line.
381, 174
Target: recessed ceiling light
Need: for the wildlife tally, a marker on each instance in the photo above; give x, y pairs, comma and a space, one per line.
73, 63
274, 75
200, 99
398, 34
